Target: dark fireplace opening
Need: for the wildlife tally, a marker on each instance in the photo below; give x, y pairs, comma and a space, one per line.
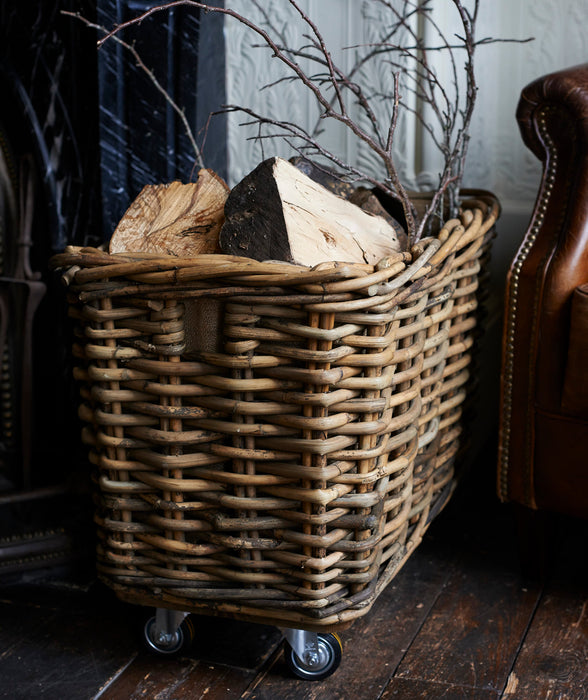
81, 132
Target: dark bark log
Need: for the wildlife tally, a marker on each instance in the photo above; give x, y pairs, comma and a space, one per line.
279, 213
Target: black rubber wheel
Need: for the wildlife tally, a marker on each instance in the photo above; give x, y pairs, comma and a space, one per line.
330, 652
180, 641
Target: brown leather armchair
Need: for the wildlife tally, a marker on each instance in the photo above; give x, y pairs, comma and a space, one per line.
543, 436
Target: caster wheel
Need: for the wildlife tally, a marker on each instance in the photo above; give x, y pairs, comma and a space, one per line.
329, 657
171, 644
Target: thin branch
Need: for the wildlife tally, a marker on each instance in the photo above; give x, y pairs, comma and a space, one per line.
324, 51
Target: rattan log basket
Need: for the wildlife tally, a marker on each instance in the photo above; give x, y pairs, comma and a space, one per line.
270, 441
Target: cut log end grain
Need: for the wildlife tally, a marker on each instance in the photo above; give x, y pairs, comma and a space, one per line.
174, 219
277, 212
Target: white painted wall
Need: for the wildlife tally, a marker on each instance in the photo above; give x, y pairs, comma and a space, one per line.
497, 158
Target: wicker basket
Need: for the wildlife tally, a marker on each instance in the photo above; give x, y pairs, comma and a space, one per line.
271, 441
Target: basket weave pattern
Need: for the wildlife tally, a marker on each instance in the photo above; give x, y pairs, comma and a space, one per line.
270, 441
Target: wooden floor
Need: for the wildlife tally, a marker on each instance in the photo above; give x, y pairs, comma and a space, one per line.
459, 621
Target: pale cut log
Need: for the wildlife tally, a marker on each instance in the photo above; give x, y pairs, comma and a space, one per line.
279, 213
174, 219
361, 196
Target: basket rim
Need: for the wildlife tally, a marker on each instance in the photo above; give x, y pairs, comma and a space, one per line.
81, 266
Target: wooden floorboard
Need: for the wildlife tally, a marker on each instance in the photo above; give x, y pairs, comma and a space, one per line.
553, 660
59, 647
374, 645
472, 636
460, 620
176, 679
409, 689
225, 659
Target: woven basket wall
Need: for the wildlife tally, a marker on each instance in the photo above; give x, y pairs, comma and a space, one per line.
271, 441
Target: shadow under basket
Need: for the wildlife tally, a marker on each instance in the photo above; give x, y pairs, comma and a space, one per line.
270, 441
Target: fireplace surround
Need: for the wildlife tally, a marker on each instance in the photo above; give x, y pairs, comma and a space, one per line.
81, 131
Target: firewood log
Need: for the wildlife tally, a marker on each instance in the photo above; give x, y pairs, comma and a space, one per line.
174, 219
361, 196
278, 213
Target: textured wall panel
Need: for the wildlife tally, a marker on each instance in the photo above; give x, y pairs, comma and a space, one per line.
497, 159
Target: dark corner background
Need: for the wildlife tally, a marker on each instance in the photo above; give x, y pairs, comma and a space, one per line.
81, 132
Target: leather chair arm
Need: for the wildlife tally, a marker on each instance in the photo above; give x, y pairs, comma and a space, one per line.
552, 261
567, 89
553, 119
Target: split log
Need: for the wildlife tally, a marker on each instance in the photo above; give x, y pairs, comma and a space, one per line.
363, 197
174, 219
279, 213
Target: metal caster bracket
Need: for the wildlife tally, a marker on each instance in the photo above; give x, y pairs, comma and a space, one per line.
167, 624
304, 644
